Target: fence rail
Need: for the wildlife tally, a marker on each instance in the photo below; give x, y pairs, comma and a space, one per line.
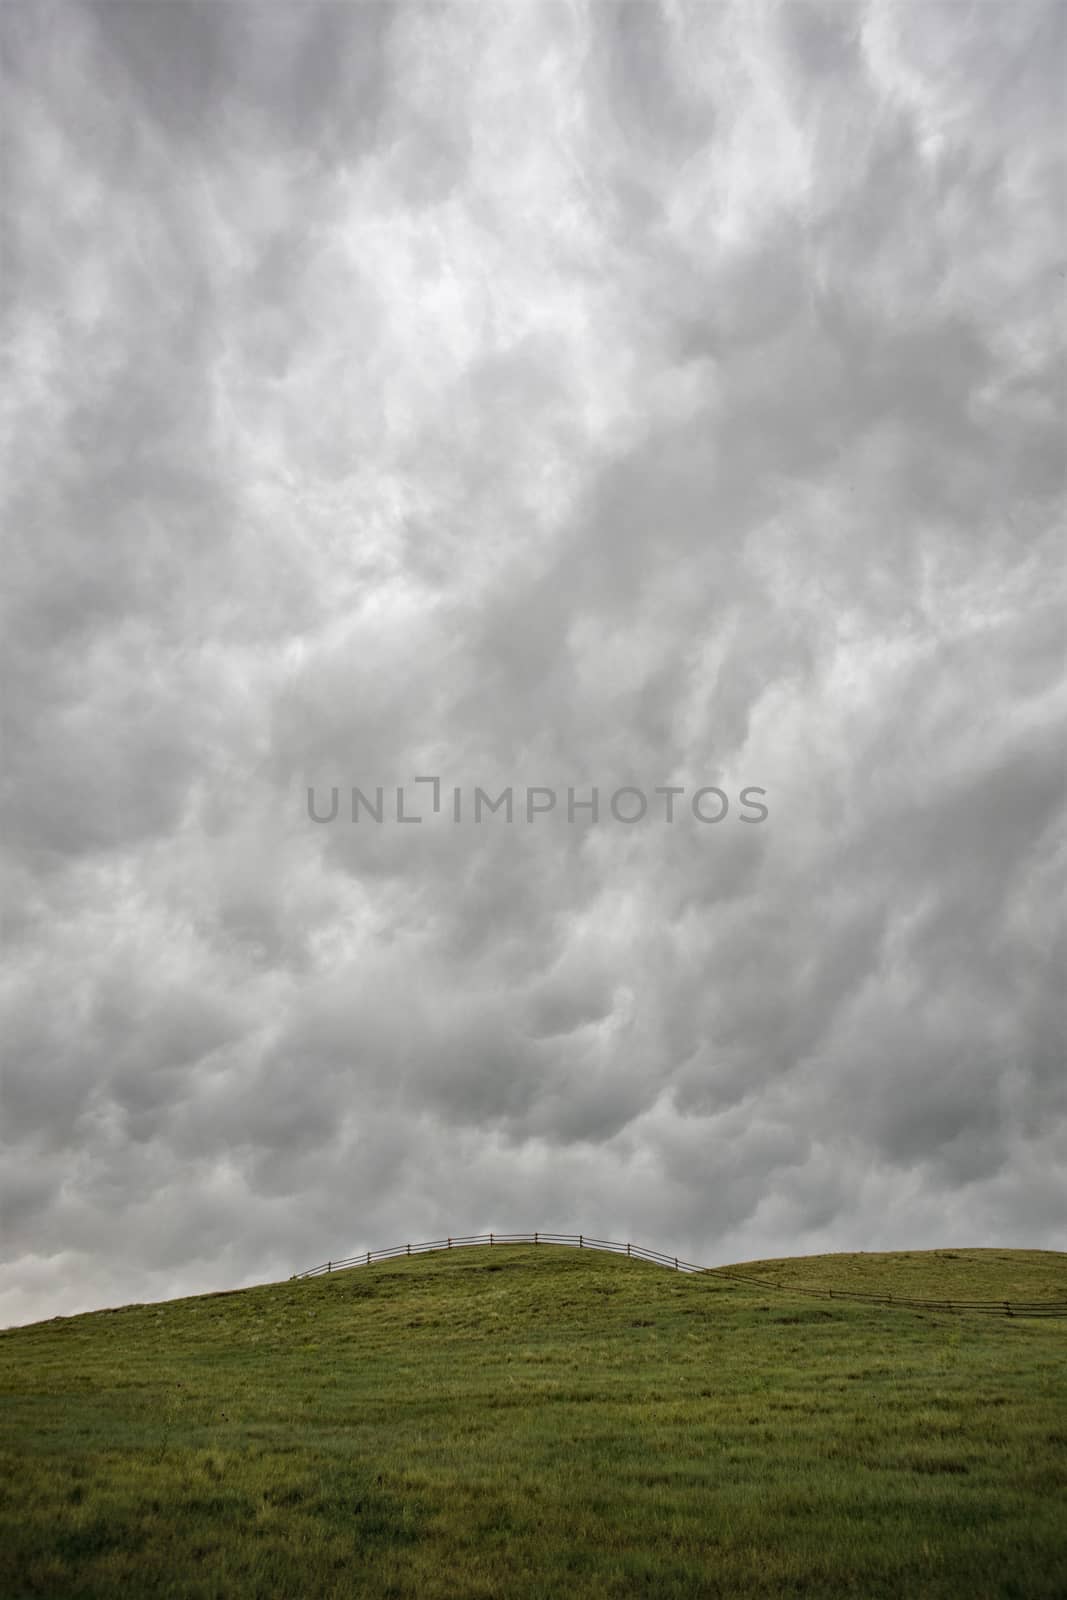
637, 1252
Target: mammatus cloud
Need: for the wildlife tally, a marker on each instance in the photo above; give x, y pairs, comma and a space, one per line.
564, 395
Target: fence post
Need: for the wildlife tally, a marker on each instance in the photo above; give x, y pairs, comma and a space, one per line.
490, 1238
329, 1266
676, 1263
581, 1236
627, 1252
409, 1249
368, 1258
450, 1244
535, 1236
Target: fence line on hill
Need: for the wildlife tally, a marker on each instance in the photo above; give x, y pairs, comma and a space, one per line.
636, 1252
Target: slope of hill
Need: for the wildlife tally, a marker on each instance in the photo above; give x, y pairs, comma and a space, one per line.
1027, 1275
534, 1422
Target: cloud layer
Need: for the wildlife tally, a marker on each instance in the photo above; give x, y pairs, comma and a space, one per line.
557, 395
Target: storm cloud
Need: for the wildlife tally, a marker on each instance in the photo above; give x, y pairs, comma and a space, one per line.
562, 395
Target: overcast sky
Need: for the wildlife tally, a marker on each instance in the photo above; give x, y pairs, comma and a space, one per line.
538, 396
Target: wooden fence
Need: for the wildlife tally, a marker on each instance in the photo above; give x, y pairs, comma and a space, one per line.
636, 1252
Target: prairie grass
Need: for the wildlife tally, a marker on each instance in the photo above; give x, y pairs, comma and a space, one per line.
531, 1422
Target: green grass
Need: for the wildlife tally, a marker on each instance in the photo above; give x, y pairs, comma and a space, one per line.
519, 1423
927, 1274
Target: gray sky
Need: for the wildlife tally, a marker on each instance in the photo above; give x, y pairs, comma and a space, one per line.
553, 395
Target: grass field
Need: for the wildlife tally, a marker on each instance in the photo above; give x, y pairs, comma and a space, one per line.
519, 1423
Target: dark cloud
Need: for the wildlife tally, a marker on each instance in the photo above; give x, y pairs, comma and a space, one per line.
559, 396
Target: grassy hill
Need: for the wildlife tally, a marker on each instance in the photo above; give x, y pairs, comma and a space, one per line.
532, 1422
926, 1274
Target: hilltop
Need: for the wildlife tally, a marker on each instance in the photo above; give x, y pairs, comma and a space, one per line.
529, 1422
965, 1274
